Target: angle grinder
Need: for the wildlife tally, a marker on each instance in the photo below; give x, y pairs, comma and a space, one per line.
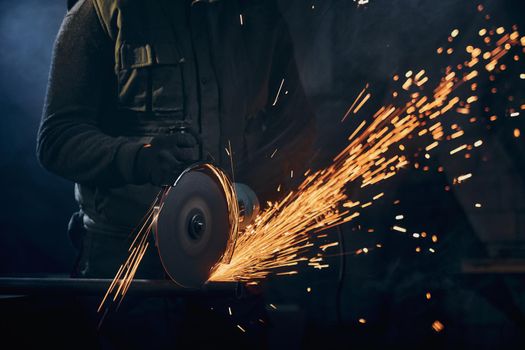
198, 221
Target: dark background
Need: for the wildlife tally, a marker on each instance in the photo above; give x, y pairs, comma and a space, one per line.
339, 48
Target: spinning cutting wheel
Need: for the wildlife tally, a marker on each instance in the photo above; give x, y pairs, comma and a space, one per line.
197, 224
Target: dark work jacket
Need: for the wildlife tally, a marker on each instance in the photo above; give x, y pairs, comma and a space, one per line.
125, 71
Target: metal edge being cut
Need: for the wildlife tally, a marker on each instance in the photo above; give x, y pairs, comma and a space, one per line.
196, 224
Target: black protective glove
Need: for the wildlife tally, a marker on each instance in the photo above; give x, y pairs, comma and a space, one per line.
162, 160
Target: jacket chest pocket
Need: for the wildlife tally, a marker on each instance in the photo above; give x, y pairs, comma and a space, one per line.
150, 79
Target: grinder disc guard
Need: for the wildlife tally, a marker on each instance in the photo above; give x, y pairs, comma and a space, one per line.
194, 226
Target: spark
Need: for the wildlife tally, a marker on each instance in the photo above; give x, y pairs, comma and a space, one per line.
354, 103
357, 130
377, 196
432, 145
464, 177
278, 93
400, 229
230, 155
437, 326
362, 103
472, 99
457, 149
326, 246
287, 273
407, 84
457, 134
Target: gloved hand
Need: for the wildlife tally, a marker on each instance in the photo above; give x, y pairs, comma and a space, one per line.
162, 160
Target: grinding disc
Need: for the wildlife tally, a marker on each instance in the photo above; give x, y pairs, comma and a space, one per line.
193, 228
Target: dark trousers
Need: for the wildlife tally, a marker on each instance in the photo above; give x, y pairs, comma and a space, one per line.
139, 322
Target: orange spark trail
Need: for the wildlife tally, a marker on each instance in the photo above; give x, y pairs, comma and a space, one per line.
281, 234
127, 271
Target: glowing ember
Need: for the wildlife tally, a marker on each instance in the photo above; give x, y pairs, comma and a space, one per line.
278, 93
400, 229
438, 326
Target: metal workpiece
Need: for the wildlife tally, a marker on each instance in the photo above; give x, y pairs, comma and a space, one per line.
64, 286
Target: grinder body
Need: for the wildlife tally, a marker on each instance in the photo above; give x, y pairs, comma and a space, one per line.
198, 221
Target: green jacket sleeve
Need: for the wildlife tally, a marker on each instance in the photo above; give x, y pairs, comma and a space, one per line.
70, 141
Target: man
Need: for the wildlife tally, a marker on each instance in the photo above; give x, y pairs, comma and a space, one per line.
140, 89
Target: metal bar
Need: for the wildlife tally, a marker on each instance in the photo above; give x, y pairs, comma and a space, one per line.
493, 266
88, 286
